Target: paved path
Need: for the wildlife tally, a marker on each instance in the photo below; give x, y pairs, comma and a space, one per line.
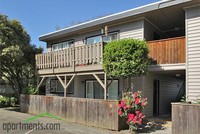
10, 116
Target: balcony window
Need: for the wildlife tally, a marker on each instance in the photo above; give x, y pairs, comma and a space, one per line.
62, 45
102, 38
110, 37
93, 40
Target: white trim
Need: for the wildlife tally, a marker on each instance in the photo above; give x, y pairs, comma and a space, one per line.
186, 54
167, 67
185, 8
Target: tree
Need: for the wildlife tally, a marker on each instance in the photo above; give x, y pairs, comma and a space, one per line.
17, 55
126, 58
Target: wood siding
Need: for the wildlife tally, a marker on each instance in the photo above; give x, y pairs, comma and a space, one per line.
91, 112
193, 52
185, 118
167, 51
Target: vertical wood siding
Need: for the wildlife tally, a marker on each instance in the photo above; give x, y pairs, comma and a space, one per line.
185, 118
193, 52
91, 112
167, 51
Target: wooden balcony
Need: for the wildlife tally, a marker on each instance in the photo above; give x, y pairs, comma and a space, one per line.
89, 57
167, 51
74, 59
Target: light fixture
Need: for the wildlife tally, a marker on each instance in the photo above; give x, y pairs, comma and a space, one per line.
178, 75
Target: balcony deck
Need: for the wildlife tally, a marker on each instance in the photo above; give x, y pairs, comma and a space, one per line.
89, 57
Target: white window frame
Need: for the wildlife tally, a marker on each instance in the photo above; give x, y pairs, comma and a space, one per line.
62, 43
102, 35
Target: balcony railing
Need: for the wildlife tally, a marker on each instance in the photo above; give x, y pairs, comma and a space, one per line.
167, 51
71, 57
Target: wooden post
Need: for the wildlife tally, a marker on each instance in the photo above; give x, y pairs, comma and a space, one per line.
65, 84
105, 84
65, 89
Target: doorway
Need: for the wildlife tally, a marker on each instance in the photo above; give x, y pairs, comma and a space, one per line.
156, 94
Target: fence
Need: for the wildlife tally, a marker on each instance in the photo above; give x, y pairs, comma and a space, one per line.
91, 112
185, 118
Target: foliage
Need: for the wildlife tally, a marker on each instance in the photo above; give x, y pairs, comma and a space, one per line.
7, 101
126, 58
17, 55
30, 90
183, 98
131, 107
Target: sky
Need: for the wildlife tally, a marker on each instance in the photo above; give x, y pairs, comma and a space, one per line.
39, 17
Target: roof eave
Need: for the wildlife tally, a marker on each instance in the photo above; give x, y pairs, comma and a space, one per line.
113, 17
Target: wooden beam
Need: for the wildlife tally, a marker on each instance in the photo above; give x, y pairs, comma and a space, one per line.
70, 81
62, 83
40, 83
90, 73
100, 82
109, 83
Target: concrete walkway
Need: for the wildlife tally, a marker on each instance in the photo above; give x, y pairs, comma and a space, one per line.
10, 115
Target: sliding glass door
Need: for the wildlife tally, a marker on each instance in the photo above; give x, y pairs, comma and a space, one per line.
95, 91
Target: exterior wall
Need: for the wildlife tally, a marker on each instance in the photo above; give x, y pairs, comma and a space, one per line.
80, 86
169, 88
193, 53
132, 29
149, 30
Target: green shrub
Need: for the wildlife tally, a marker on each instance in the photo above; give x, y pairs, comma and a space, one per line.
7, 101
30, 90
126, 57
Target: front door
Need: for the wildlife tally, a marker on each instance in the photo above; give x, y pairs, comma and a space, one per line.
156, 93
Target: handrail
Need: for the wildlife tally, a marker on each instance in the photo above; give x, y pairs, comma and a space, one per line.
71, 57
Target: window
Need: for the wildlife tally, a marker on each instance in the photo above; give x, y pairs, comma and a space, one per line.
110, 37
93, 40
56, 87
95, 91
102, 38
62, 45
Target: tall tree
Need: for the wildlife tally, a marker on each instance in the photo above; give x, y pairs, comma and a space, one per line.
17, 55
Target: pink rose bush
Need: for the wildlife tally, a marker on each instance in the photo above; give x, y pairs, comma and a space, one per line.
131, 107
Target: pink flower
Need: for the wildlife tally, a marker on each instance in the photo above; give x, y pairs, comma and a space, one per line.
120, 112
137, 112
135, 94
143, 104
137, 101
135, 119
130, 117
123, 103
125, 107
139, 121
119, 106
128, 106
140, 115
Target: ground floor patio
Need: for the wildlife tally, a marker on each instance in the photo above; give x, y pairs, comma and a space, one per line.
160, 87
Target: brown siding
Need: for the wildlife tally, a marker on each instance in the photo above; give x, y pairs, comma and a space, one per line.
91, 112
167, 51
185, 118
